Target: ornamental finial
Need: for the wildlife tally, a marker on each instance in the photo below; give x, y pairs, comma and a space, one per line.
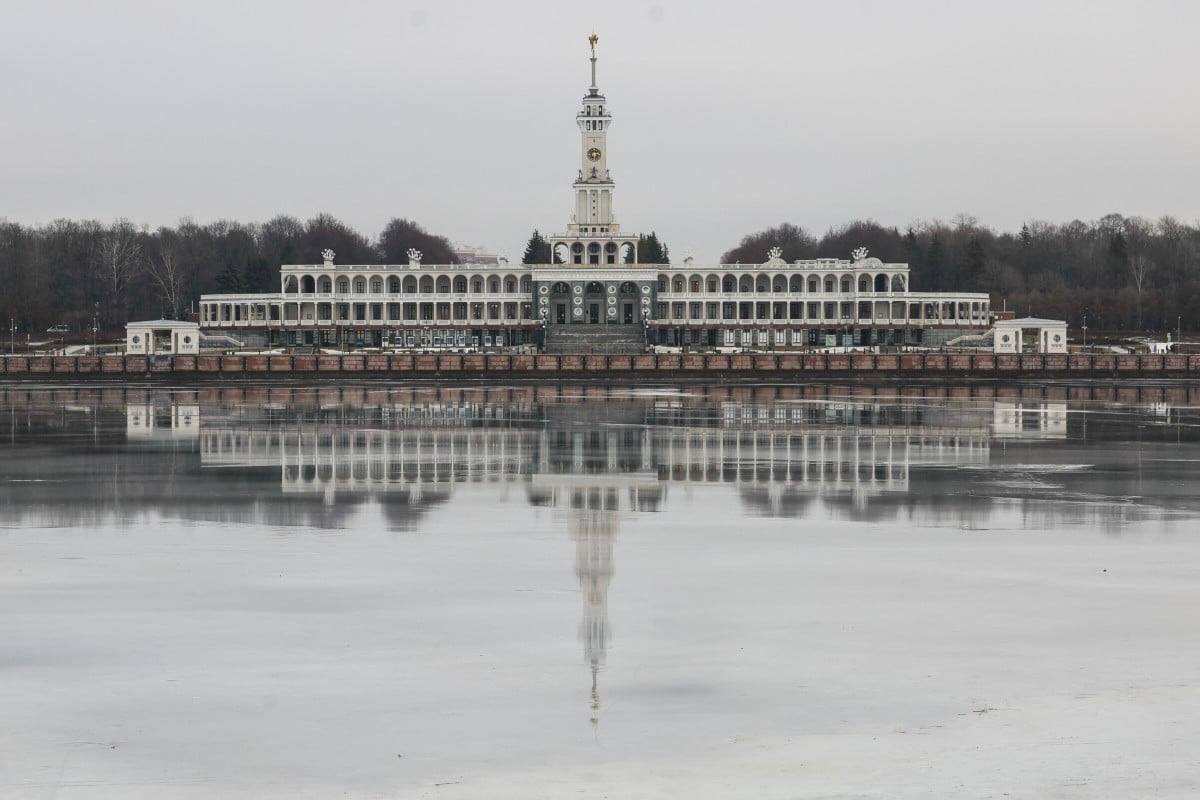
414, 256
775, 253
858, 253
592, 41
327, 254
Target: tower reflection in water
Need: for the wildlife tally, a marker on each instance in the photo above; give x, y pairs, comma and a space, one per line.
593, 463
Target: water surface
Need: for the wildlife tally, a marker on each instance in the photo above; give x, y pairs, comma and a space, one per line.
778, 591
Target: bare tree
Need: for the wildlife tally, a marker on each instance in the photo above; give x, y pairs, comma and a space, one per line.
1139, 233
1140, 267
166, 269
120, 261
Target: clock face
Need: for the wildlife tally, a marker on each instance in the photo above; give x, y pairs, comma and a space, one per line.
594, 154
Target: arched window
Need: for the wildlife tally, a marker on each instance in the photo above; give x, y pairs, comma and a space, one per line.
712, 283
360, 285
477, 285
460, 284
325, 284
410, 285
677, 283
594, 287
728, 283
796, 284
526, 284
343, 285
881, 283
779, 284
308, 285
510, 283
695, 284
560, 288
898, 283
629, 287
746, 284
393, 284
847, 285
814, 285
864, 283
376, 285
663, 282
443, 284
493, 284
762, 284
830, 284
426, 284
290, 285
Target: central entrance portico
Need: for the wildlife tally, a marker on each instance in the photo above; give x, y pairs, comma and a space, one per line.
569, 295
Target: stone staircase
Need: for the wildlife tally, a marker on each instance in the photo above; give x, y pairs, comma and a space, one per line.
595, 338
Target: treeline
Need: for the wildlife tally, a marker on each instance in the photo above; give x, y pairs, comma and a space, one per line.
69, 272
1121, 273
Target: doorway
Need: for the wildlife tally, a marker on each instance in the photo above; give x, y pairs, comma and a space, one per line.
594, 313
560, 313
628, 313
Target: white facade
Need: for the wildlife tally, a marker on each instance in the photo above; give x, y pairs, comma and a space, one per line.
860, 301
162, 337
1029, 335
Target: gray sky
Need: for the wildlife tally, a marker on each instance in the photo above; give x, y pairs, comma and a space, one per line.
728, 117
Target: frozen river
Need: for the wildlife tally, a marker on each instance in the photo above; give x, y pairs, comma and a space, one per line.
550, 592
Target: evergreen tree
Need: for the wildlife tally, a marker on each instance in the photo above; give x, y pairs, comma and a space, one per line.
537, 251
259, 275
935, 261
651, 250
229, 279
976, 259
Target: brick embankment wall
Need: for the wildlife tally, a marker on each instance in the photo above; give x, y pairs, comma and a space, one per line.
742, 366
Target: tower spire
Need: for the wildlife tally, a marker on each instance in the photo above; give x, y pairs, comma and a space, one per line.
592, 41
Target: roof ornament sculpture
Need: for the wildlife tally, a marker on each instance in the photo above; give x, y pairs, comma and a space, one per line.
414, 256
775, 255
327, 254
859, 253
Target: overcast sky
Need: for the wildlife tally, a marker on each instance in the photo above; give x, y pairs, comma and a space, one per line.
728, 117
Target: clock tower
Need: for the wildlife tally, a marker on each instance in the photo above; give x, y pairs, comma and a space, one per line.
593, 235
593, 186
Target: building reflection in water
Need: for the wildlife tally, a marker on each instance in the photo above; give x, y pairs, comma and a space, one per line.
593, 457
594, 463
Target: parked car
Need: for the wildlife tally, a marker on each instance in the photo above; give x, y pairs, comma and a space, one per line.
58, 329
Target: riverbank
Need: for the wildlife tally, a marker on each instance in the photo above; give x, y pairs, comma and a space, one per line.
719, 367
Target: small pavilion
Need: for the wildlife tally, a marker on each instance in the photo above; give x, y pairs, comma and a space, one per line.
162, 337
1029, 335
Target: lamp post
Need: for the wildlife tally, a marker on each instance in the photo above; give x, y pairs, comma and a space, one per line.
1085, 331
12, 332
